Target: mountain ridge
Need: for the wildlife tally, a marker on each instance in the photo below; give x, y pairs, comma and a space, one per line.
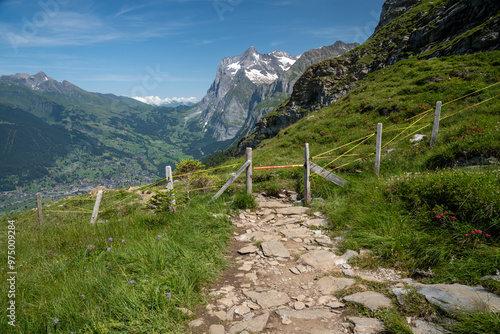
426, 29
228, 111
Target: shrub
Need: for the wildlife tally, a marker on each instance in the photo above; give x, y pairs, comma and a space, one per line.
162, 201
244, 201
185, 168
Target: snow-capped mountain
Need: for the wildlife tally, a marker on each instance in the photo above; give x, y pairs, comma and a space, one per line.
259, 68
250, 85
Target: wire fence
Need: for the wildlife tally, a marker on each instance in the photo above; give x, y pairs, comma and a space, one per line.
413, 124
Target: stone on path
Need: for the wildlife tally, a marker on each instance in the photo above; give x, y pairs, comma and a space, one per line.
256, 324
457, 297
370, 299
325, 260
316, 222
273, 204
268, 299
306, 314
424, 327
196, 323
328, 284
257, 236
296, 233
293, 210
248, 250
367, 325
216, 329
266, 219
274, 249
299, 305
335, 305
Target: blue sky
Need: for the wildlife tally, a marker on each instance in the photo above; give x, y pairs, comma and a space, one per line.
168, 48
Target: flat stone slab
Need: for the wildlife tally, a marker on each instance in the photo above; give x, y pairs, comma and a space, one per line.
293, 210
425, 327
328, 285
268, 299
305, 314
254, 325
316, 222
248, 250
196, 323
257, 236
274, 249
296, 233
273, 204
457, 297
325, 260
266, 219
216, 329
367, 325
370, 299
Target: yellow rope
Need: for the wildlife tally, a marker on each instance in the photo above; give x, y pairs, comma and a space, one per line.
366, 138
316, 156
477, 91
477, 104
206, 170
411, 125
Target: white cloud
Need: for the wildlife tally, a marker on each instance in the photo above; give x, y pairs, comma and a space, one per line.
158, 101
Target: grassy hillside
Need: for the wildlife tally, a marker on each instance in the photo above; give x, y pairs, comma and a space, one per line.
130, 273
416, 214
432, 210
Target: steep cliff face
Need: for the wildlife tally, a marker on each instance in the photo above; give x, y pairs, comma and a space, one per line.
251, 85
424, 29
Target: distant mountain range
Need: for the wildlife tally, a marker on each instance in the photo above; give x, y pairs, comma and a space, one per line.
56, 129
59, 132
167, 102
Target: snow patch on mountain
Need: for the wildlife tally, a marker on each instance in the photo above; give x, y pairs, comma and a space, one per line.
158, 101
258, 68
261, 77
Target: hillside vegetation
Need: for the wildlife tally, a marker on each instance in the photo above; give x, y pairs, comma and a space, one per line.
418, 214
131, 272
431, 209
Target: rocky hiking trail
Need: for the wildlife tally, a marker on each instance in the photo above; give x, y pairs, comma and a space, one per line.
286, 273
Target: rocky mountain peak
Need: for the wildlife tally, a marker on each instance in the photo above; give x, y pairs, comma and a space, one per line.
394, 8
257, 67
40, 82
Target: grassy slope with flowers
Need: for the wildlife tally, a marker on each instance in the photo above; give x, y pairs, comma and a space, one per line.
128, 273
415, 215
431, 208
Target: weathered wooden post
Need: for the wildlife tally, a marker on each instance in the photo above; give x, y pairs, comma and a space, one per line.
435, 128
249, 170
378, 148
307, 176
170, 184
39, 208
95, 213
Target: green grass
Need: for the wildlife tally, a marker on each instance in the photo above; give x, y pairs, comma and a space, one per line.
395, 214
128, 273
390, 214
244, 201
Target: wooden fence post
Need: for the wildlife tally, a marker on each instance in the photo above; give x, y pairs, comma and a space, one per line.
170, 184
249, 170
307, 176
95, 213
435, 128
39, 208
378, 148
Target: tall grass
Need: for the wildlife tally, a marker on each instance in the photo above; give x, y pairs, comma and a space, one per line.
128, 273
